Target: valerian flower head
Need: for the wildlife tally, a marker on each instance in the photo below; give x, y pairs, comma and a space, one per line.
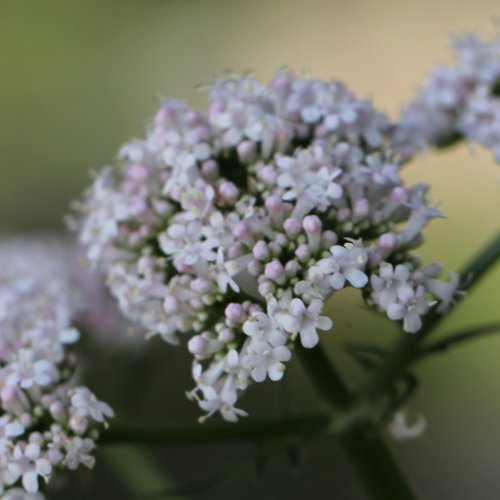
456, 101
234, 227
45, 415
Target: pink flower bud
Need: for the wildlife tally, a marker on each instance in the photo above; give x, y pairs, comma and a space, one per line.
246, 151
162, 207
13, 400
197, 303
137, 172
235, 251
171, 304
164, 115
261, 251
291, 268
321, 130
361, 208
226, 335
281, 82
175, 193
312, 226
292, 227
234, 312
202, 133
78, 424
254, 267
55, 456
35, 437
274, 271
254, 308
201, 286
343, 214
193, 117
266, 287
8, 394
303, 253
281, 239
228, 192
273, 204
210, 169
387, 241
399, 195
197, 345
242, 232
25, 419
267, 175
275, 249
57, 410
328, 238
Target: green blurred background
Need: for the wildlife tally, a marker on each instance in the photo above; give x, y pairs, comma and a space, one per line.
78, 78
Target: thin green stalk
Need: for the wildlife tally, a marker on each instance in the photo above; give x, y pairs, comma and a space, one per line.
397, 361
253, 431
324, 377
372, 462
454, 339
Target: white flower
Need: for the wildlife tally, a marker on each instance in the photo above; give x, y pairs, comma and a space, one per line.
28, 372
266, 360
264, 327
347, 264
401, 430
28, 464
86, 404
411, 305
226, 271
186, 244
388, 282
78, 451
445, 292
293, 316
106, 208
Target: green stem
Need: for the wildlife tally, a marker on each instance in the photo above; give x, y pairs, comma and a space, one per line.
254, 431
402, 355
372, 462
325, 378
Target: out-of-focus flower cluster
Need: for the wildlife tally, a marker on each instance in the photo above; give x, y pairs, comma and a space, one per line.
462, 100
47, 422
232, 229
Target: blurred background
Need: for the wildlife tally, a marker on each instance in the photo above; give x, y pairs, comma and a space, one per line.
79, 78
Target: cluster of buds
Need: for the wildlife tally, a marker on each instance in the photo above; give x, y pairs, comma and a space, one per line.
47, 422
232, 229
456, 101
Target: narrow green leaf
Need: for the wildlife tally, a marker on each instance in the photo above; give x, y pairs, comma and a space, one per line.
454, 339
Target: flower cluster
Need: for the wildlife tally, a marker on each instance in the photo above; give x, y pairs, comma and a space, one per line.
47, 422
94, 310
234, 228
457, 101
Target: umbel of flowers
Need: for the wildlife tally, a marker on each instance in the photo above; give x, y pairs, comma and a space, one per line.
459, 101
47, 421
230, 229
